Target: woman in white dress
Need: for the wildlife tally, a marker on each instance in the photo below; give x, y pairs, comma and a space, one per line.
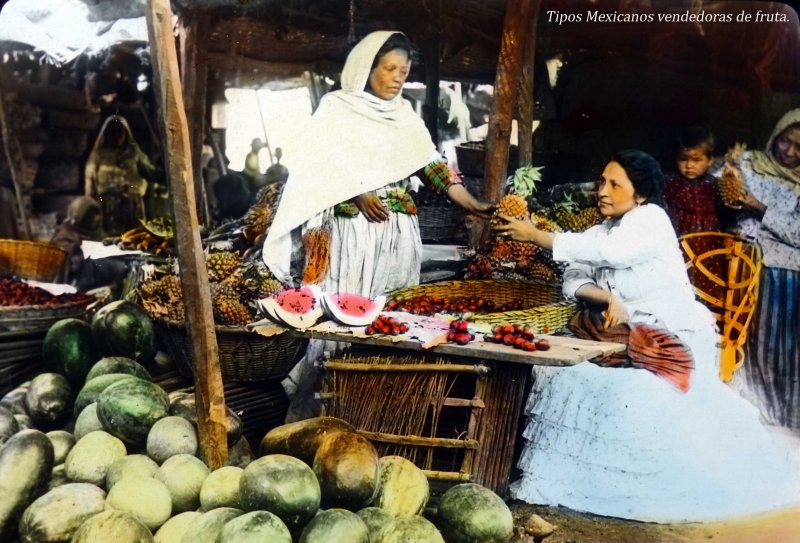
623, 442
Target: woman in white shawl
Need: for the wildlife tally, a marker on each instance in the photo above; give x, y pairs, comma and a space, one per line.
770, 217
347, 195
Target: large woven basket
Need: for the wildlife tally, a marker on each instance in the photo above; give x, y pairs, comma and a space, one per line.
544, 309
440, 223
33, 318
31, 260
243, 355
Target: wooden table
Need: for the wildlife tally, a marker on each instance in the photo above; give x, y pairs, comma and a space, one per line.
499, 375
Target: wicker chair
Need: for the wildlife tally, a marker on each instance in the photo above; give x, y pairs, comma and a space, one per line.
725, 272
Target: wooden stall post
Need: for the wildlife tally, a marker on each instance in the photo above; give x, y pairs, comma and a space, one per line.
194, 278
525, 96
515, 26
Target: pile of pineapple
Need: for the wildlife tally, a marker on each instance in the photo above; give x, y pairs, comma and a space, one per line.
509, 259
235, 287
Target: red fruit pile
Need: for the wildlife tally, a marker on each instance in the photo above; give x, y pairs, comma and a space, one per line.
387, 325
517, 336
430, 305
459, 332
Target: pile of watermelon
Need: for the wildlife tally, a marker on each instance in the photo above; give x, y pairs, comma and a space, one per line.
93, 451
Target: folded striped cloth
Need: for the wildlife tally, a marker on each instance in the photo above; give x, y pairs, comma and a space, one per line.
649, 348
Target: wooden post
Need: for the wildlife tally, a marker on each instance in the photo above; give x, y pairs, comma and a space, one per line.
515, 26
194, 76
525, 96
16, 165
194, 278
431, 109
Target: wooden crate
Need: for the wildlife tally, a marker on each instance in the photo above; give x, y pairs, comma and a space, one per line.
455, 419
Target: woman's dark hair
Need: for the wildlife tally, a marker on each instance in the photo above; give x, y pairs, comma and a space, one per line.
645, 174
395, 41
693, 137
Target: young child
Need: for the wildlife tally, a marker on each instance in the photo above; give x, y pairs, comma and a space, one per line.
691, 193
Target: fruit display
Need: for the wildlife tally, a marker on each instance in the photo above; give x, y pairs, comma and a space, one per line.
731, 185
386, 325
459, 333
430, 305
516, 336
295, 307
15, 292
154, 236
352, 309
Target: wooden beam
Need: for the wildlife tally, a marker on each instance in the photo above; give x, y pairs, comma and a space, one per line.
432, 47
419, 441
16, 164
194, 76
194, 278
525, 96
515, 26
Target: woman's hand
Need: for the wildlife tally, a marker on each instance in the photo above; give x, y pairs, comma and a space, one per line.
524, 230
371, 206
460, 195
615, 313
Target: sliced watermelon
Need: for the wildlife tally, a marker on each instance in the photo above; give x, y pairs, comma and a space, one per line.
295, 307
352, 309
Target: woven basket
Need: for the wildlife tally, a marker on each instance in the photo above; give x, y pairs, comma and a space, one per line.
472, 158
544, 309
31, 260
20, 358
440, 223
33, 318
243, 355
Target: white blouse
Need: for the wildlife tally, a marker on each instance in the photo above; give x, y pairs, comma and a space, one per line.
638, 258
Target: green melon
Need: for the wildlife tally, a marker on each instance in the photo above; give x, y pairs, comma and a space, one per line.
62, 443
282, 485
56, 516
208, 527
144, 497
183, 404
403, 490
221, 488
14, 400
255, 527
130, 407
58, 477
122, 328
183, 475
416, 529
335, 526
113, 526
133, 464
118, 364
301, 439
347, 467
240, 454
49, 400
92, 456
171, 436
8, 425
69, 349
175, 528
87, 422
471, 512
92, 390
376, 520
24, 422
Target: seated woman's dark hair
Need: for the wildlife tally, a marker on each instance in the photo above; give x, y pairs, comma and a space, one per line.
645, 174
395, 41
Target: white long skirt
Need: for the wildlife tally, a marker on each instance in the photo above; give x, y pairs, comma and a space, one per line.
622, 442
372, 259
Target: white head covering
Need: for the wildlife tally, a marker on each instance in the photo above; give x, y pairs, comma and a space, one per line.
357, 143
766, 164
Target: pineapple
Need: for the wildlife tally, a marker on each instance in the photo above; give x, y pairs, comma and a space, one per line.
229, 310
542, 222
258, 281
731, 185
571, 218
515, 205
221, 265
162, 298
259, 217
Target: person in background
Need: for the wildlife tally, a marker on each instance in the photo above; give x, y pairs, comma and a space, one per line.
233, 196
769, 215
116, 175
660, 438
252, 166
277, 173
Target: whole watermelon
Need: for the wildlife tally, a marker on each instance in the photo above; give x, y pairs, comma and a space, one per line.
471, 512
122, 328
335, 526
113, 526
130, 407
69, 349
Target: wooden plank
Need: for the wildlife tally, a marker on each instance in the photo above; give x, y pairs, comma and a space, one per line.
563, 351
419, 441
451, 368
447, 475
194, 278
525, 96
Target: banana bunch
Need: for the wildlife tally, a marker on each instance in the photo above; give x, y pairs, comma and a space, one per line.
139, 239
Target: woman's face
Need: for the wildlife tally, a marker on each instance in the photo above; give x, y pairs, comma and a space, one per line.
615, 193
387, 78
787, 147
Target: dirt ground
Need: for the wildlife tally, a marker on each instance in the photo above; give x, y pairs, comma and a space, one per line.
574, 527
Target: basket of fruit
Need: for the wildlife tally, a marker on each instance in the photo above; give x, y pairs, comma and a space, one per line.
26, 308
537, 305
31, 260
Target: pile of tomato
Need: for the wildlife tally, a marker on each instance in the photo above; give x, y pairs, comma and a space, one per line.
516, 336
386, 325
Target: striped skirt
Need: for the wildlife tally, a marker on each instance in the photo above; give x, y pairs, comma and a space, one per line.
772, 365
